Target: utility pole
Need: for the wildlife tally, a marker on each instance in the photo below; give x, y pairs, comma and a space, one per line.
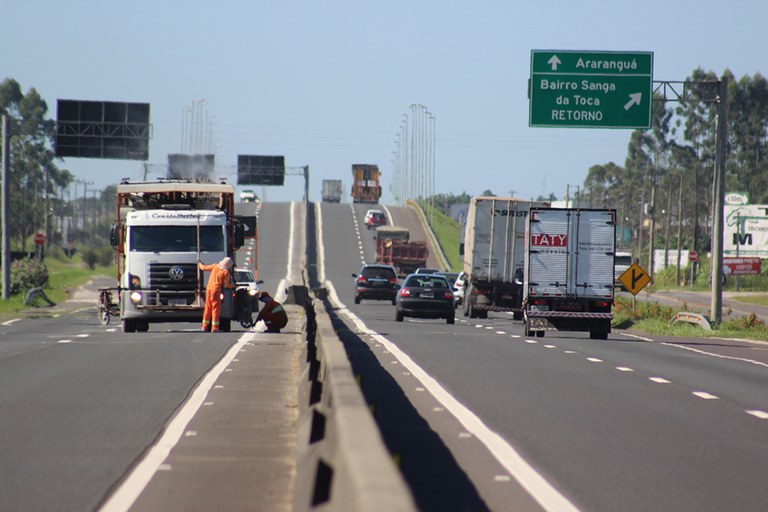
719, 190
6, 246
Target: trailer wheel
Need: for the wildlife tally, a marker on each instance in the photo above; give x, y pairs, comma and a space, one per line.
539, 334
528, 332
482, 314
142, 326
517, 315
598, 335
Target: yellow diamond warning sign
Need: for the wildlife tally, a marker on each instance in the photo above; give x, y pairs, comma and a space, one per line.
635, 278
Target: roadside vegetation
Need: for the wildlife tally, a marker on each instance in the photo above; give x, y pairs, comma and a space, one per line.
58, 276
447, 233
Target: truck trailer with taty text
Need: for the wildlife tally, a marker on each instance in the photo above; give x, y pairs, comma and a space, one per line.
569, 271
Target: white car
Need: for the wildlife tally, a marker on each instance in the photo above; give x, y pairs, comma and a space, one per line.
375, 218
244, 279
459, 287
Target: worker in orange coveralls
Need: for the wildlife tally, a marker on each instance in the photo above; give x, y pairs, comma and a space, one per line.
220, 279
272, 313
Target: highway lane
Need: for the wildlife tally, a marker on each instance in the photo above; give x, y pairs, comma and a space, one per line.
80, 402
622, 424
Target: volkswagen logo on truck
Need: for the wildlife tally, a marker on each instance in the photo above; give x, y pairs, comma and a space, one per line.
176, 273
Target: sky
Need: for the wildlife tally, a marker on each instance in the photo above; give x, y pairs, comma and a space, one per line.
326, 83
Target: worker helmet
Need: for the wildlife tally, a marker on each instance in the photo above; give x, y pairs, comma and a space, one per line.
265, 297
226, 263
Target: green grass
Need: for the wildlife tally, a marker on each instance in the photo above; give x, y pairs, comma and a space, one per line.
63, 280
760, 300
447, 232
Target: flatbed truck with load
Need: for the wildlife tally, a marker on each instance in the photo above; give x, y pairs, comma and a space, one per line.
570, 271
162, 230
394, 247
494, 255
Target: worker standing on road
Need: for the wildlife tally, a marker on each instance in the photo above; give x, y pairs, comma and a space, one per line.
272, 313
220, 279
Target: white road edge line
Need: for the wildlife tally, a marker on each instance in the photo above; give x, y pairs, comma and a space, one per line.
12, 321
719, 356
125, 495
539, 488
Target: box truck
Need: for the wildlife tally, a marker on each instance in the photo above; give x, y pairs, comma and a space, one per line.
569, 271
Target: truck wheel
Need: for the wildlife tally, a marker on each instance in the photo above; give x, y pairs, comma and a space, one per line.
129, 325
482, 314
539, 334
142, 326
528, 332
517, 315
595, 335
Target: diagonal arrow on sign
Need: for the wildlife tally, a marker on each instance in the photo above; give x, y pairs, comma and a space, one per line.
634, 99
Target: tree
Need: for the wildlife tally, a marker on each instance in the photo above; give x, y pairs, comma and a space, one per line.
33, 174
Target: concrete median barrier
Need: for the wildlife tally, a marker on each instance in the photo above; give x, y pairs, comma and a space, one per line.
343, 463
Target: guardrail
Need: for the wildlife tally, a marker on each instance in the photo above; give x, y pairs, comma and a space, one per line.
433, 241
342, 461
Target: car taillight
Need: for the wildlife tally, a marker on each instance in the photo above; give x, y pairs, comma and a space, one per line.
405, 292
361, 279
448, 295
393, 280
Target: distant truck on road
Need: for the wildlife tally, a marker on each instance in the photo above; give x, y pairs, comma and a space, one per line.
494, 255
365, 183
332, 191
394, 247
570, 271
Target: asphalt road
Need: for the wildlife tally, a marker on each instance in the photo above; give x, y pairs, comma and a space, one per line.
631, 423
81, 402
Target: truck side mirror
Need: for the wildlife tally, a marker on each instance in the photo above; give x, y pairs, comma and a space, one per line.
461, 249
239, 235
114, 234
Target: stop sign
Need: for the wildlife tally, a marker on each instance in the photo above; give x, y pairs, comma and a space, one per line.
39, 238
693, 256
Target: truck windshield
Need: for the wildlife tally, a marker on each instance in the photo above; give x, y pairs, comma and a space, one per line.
176, 238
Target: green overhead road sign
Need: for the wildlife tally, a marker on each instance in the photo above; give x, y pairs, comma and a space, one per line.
586, 89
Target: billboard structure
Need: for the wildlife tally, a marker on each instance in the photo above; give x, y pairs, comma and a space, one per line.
746, 230
260, 170
102, 129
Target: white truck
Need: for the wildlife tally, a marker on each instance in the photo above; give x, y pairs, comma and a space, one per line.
332, 191
494, 255
569, 271
162, 229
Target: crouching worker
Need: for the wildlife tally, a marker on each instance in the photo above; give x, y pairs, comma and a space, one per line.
220, 279
272, 313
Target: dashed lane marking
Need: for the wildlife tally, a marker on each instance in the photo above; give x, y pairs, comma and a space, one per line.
705, 395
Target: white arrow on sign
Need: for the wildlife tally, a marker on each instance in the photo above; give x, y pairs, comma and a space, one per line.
554, 61
634, 99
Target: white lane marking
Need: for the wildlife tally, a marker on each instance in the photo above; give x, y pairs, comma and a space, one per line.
500, 332
705, 395
64, 341
532, 342
659, 380
83, 335
635, 336
12, 321
137, 480
719, 356
758, 414
624, 369
550, 346
569, 351
536, 484
514, 336
594, 360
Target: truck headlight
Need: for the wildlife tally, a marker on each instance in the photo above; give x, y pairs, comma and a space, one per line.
253, 293
136, 297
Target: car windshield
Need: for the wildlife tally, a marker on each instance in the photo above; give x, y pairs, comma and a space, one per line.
243, 275
426, 281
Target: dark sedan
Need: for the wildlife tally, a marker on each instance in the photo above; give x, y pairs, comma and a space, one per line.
378, 282
425, 296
